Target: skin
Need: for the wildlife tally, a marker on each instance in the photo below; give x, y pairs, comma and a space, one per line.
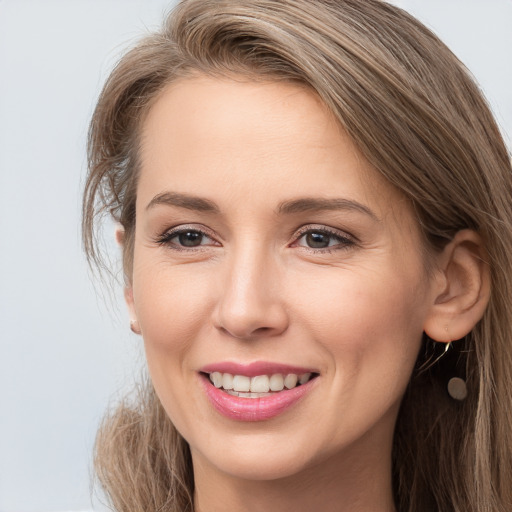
253, 290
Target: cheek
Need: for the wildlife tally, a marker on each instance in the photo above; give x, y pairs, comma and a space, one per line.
172, 304
371, 333
172, 308
370, 325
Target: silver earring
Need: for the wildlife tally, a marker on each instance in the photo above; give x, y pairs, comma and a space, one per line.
135, 327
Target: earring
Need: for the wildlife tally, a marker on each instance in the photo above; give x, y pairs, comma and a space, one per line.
457, 388
135, 327
430, 361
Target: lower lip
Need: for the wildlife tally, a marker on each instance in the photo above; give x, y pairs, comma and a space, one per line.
254, 409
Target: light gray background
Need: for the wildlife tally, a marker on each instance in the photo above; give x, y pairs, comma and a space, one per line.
63, 353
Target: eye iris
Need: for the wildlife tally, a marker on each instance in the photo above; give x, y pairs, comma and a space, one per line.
317, 240
190, 238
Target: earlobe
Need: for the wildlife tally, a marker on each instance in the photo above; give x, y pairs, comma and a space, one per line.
463, 288
128, 290
134, 323
120, 235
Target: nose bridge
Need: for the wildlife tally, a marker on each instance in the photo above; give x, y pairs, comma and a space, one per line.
251, 303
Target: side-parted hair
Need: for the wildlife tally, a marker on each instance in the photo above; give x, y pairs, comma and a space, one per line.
416, 114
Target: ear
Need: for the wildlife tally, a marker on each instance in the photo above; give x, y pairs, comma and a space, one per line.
462, 289
120, 235
134, 322
128, 290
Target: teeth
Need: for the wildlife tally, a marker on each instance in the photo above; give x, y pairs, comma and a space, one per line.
241, 383
304, 378
276, 382
290, 381
227, 381
254, 387
246, 395
260, 384
216, 378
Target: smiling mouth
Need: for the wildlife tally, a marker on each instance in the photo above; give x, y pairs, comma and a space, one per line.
258, 386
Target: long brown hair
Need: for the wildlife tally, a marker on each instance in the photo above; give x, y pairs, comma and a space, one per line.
415, 113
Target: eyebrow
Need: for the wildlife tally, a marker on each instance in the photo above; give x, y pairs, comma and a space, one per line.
183, 201
306, 204
313, 204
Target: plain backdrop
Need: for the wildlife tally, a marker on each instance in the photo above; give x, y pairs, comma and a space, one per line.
64, 352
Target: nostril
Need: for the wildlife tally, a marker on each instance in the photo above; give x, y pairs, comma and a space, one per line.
262, 330
247, 331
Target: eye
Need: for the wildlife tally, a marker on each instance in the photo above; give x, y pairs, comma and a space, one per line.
183, 238
323, 238
190, 238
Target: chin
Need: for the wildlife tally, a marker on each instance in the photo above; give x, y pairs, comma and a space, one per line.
257, 464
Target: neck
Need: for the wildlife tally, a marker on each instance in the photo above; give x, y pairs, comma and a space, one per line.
349, 481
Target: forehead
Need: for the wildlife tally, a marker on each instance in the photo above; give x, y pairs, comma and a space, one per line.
239, 138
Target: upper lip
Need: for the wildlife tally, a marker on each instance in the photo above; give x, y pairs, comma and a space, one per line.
255, 368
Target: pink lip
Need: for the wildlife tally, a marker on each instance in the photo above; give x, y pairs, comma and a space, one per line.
254, 409
254, 369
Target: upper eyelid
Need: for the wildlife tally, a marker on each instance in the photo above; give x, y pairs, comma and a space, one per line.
325, 229
295, 236
180, 228
344, 240
171, 232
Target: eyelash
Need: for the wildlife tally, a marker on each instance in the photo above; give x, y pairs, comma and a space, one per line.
345, 241
165, 239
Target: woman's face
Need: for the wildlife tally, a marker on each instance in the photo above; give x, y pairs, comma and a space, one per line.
266, 246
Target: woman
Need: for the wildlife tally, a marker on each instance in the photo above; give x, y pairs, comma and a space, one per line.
316, 232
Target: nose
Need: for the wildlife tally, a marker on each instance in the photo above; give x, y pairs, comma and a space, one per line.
250, 304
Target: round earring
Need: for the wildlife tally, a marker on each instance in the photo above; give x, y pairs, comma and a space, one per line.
457, 388
135, 327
